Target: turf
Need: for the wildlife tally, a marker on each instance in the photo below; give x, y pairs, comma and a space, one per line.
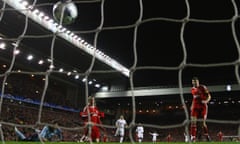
19, 142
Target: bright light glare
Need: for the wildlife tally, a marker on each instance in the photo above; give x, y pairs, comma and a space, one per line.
29, 57
104, 88
16, 52
76, 76
2, 46
69, 73
228, 88
40, 62
61, 70
97, 85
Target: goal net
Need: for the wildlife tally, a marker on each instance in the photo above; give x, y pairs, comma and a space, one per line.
136, 57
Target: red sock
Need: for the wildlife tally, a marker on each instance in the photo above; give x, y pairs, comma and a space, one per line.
205, 130
193, 130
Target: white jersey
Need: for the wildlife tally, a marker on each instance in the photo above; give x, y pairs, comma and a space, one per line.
154, 136
140, 131
120, 124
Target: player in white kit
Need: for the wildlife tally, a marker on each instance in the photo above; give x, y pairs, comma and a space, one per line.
140, 131
154, 136
121, 123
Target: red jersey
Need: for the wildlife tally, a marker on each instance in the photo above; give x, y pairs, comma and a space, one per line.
95, 115
220, 136
169, 138
199, 94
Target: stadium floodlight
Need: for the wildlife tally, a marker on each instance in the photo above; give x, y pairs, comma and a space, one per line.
40, 62
97, 85
48, 23
228, 87
16, 52
90, 82
76, 77
2, 46
61, 70
29, 57
69, 73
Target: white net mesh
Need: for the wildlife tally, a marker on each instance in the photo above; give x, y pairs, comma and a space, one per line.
159, 47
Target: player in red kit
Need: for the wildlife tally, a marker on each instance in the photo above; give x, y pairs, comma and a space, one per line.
199, 108
220, 136
169, 137
94, 118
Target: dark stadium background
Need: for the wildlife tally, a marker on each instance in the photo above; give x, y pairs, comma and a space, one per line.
158, 44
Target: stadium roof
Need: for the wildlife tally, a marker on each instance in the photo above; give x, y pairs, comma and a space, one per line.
160, 42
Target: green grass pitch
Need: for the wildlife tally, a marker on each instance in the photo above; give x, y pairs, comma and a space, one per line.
19, 142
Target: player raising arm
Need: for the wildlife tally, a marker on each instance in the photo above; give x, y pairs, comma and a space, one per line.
154, 136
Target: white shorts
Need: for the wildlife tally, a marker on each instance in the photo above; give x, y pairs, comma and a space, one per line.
119, 132
140, 135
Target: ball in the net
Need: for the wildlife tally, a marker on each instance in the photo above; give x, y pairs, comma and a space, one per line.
65, 12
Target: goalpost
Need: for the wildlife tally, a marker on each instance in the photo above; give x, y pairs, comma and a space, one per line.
156, 44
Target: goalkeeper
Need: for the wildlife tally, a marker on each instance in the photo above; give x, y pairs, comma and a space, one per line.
48, 133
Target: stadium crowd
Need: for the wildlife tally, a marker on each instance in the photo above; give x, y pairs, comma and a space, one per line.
25, 116
28, 117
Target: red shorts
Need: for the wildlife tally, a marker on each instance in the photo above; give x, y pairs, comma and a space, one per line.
95, 133
199, 112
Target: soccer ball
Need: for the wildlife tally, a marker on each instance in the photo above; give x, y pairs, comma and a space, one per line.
65, 12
